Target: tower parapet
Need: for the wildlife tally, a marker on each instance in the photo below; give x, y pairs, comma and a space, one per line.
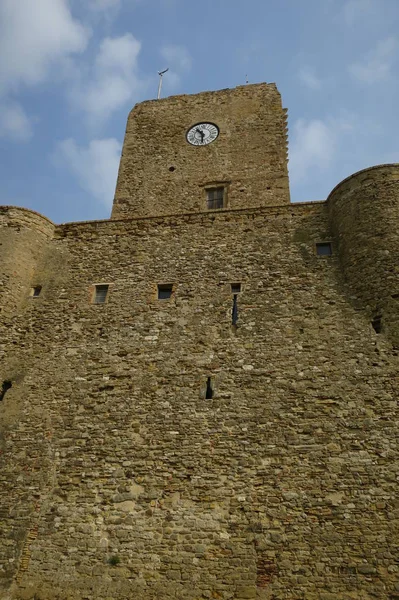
364, 213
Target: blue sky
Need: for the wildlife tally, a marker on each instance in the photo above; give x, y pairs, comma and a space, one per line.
70, 71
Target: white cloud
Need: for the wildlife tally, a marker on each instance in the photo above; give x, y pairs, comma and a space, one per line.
14, 123
355, 10
34, 36
307, 76
378, 63
94, 166
111, 82
314, 146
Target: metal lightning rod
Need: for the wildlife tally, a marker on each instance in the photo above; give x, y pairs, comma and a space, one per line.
161, 74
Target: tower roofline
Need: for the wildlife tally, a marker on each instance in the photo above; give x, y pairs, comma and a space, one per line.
181, 97
7, 207
354, 175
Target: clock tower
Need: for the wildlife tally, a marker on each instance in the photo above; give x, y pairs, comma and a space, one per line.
182, 150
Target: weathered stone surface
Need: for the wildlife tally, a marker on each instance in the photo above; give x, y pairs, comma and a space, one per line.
161, 174
119, 478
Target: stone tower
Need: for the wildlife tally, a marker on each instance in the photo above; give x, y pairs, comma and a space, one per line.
160, 173
198, 397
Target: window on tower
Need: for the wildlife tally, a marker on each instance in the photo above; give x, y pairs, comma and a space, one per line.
235, 288
100, 293
215, 198
165, 291
323, 249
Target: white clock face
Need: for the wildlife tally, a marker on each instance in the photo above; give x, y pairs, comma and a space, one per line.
202, 134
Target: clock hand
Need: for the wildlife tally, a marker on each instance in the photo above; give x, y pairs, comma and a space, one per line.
202, 134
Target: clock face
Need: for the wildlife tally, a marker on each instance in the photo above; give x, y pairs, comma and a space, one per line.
202, 134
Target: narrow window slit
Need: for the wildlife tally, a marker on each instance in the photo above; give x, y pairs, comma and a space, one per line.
6, 385
234, 312
209, 390
377, 323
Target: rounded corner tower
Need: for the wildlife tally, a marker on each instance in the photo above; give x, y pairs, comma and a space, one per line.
364, 214
24, 235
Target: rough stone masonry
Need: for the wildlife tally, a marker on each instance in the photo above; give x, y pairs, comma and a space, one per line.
199, 402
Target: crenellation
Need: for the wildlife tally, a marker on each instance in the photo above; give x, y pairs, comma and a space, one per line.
152, 448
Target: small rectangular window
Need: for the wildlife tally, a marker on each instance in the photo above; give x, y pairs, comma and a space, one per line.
235, 288
100, 294
35, 291
165, 291
215, 197
323, 249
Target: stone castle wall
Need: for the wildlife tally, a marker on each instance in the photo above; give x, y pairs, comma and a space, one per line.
121, 480
155, 449
160, 173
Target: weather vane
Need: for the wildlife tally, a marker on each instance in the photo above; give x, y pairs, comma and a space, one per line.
161, 74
